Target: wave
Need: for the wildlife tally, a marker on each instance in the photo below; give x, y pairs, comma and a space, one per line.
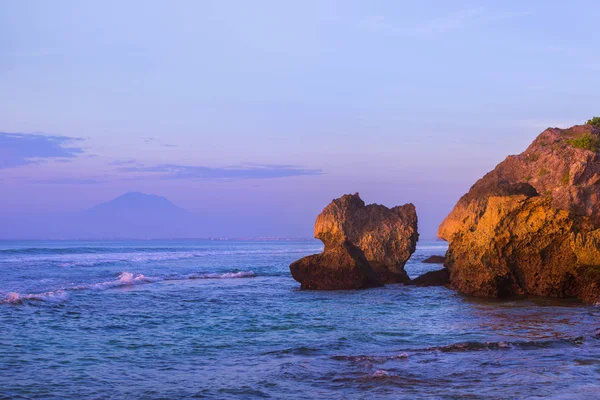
475, 346
226, 275
56, 297
123, 279
90, 257
433, 247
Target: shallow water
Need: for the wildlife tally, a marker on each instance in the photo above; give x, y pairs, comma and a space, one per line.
166, 319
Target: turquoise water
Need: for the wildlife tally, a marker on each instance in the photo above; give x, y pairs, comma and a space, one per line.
202, 319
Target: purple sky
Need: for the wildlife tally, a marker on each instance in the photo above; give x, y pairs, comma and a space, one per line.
271, 109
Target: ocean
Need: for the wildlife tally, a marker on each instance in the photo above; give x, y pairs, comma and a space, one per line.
225, 320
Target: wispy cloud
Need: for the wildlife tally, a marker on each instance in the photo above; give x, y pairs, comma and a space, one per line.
17, 149
70, 181
153, 140
439, 25
246, 171
543, 124
122, 162
449, 22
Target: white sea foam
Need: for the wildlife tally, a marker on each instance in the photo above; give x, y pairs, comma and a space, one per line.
57, 296
123, 279
226, 275
12, 298
130, 279
380, 373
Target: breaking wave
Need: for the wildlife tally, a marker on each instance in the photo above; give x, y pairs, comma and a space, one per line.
56, 297
123, 279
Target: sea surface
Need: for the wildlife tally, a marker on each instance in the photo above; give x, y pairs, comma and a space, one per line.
225, 320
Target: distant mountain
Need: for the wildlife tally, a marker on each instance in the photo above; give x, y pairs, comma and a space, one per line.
137, 215
136, 203
144, 216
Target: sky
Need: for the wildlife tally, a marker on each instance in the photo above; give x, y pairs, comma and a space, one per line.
270, 109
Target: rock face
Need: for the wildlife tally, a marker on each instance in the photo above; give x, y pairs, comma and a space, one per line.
553, 165
524, 245
364, 245
433, 278
338, 267
530, 226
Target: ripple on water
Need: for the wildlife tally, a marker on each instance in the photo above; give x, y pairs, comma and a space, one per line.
231, 324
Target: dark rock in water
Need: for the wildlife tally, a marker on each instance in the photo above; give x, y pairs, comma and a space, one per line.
435, 260
531, 226
386, 238
433, 278
339, 267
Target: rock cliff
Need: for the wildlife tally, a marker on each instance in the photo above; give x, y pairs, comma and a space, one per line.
563, 164
530, 226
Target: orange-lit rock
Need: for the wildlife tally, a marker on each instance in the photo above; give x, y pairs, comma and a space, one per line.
386, 237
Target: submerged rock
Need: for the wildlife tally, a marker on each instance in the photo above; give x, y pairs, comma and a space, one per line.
385, 237
530, 226
434, 260
433, 278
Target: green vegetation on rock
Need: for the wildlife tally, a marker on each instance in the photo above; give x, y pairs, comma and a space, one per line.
594, 122
586, 142
566, 177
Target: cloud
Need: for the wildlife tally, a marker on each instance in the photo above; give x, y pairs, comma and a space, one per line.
17, 149
122, 162
153, 140
449, 22
70, 181
543, 124
245, 171
438, 26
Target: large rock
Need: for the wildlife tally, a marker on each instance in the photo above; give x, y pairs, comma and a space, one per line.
524, 245
530, 226
385, 237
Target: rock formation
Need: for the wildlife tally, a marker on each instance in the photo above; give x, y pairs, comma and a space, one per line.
560, 163
530, 226
434, 260
440, 277
341, 266
365, 246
